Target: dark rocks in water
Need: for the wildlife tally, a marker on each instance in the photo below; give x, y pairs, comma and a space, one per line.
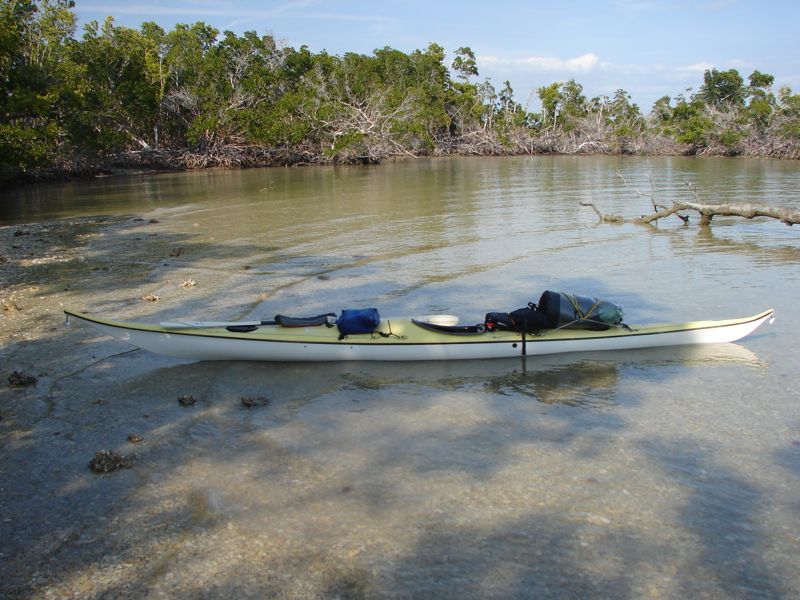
135, 438
187, 400
105, 461
175, 252
251, 402
21, 379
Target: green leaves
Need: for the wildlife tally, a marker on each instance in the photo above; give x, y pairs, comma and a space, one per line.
465, 64
563, 105
722, 88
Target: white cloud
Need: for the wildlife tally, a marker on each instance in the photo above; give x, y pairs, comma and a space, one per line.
583, 63
700, 67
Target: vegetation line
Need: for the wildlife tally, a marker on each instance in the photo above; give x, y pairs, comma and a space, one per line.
192, 98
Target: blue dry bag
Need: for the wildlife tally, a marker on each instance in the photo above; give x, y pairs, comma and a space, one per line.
358, 320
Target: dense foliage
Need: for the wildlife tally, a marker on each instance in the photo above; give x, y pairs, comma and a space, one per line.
195, 97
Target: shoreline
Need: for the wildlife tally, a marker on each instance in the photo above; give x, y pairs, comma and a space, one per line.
154, 162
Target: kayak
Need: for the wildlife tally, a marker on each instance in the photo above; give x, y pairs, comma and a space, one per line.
402, 339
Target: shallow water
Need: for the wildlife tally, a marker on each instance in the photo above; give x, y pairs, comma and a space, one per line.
667, 473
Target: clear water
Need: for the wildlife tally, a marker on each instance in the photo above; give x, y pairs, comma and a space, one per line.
666, 473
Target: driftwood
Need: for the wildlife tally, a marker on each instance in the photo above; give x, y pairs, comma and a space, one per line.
707, 212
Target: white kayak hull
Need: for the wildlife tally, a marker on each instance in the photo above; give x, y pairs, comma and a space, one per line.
407, 341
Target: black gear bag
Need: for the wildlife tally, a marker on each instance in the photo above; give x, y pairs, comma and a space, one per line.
579, 312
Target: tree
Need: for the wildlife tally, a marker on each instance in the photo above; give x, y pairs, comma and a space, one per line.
552, 100
690, 123
787, 119
762, 102
252, 65
120, 95
722, 89
37, 76
624, 115
363, 108
760, 81
465, 64
563, 105
431, 85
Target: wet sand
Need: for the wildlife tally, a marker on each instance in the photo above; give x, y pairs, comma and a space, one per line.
362, 481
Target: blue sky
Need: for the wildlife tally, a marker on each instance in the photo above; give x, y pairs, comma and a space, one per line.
650, 48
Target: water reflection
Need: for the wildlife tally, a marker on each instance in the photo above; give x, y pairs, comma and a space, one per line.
582, 385
764, 247
585, 384
577, 380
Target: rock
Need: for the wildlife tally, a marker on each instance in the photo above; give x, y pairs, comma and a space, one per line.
21, 379
186, 400
250, 401
105, 461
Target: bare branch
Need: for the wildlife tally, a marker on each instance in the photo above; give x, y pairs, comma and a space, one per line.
603, 217
742, 209
706, 211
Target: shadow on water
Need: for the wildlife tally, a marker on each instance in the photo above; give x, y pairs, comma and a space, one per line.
546, 555
789, 458
555, 555
725, 513
341, 448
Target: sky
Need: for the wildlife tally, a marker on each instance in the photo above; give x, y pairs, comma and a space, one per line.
649, 48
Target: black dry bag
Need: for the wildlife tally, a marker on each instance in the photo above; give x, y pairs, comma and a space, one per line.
528, 319
579, 312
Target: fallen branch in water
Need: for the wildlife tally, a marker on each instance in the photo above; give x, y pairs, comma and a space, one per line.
707, 212
604, 218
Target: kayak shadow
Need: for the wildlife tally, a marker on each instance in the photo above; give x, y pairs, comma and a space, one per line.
583, 380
